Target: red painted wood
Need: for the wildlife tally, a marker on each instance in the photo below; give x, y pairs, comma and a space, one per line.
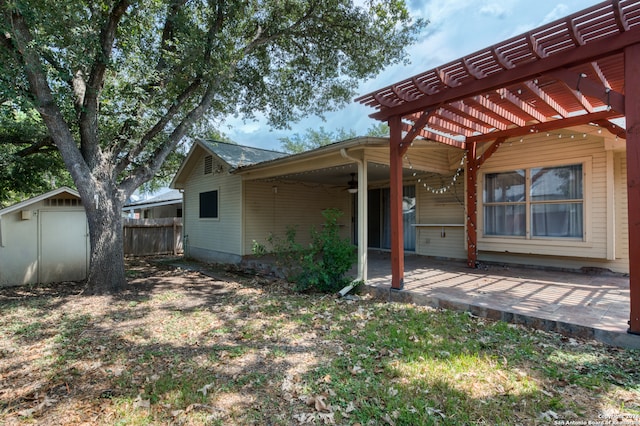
632, 108
549, 126
473, 164
395, 166
590, 52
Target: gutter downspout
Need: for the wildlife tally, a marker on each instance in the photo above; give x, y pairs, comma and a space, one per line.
362, 220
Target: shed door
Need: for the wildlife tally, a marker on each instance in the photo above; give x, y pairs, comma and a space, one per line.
63, 246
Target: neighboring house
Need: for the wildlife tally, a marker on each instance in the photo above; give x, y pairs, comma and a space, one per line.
579, 219
167, 204
44, 239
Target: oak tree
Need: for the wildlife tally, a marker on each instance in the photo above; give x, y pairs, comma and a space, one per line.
119, 84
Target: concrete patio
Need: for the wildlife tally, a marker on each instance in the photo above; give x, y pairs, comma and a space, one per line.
592, 306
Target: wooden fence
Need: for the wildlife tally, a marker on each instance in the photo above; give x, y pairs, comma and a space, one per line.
143, 237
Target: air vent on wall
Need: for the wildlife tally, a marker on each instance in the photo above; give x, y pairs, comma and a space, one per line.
208, 165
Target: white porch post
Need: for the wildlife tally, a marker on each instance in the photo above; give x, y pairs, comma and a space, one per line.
363, 238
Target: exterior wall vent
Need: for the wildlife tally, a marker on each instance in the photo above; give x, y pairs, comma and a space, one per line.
208, 165
63, 202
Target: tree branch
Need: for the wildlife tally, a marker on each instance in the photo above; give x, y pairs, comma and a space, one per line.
88, 120
144, 172
40, 90
157, 128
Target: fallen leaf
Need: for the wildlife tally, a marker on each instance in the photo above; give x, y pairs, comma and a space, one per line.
549, 415
27, 413
387, 418
356, 369
431, 411
141, 403
319, 403
205, 389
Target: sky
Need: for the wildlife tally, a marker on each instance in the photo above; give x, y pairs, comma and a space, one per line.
456, 28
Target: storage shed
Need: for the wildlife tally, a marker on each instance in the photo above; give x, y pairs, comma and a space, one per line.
44, 239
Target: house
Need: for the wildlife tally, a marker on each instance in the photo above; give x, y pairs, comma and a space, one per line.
44, 239
164, 205
513, 154
581, 70
577, 220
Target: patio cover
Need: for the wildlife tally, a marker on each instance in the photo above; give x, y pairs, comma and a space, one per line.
584, 68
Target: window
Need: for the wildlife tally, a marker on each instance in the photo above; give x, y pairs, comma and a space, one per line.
541, 202
209, 204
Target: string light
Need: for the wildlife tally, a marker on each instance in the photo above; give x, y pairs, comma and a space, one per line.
438, 190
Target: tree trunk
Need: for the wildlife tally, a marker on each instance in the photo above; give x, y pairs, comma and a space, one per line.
106, 270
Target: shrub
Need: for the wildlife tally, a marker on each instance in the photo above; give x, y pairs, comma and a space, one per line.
323, 265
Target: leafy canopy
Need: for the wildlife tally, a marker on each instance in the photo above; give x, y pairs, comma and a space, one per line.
315, 138
174, 62
120, 84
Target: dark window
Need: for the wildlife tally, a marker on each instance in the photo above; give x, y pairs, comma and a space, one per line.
209, 204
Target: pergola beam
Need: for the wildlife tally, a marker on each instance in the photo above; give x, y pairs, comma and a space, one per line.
545, 127
530, 71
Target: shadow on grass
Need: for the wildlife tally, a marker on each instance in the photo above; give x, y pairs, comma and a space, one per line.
178, 346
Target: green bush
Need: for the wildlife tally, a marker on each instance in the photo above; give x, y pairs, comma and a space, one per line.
323, 265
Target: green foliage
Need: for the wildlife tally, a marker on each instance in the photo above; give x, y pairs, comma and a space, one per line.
120, 85
313, 138
322, 266
26, 171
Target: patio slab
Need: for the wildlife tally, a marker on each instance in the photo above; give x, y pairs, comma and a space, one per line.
591, 306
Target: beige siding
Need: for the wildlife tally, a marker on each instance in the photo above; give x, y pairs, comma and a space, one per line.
550, 151
222, 235
437, 209
272, 207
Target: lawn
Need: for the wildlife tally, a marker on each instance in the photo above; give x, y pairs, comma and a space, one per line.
221, 348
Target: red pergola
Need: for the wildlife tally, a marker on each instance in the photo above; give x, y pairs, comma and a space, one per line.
581, 69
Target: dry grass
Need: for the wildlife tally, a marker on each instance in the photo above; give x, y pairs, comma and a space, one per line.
182, 347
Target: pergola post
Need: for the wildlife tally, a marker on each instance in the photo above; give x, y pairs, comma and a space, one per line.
395, 166
471, 174
632, 113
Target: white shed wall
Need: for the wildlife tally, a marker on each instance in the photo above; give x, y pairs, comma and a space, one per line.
51, 246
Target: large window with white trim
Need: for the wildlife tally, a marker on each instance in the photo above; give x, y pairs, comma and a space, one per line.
538, 202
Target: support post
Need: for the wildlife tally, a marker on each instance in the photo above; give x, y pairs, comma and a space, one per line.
632, 113
395, 166
471, 174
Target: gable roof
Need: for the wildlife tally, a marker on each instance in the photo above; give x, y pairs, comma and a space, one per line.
240, 155
173, 196
38, 198
233, 155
